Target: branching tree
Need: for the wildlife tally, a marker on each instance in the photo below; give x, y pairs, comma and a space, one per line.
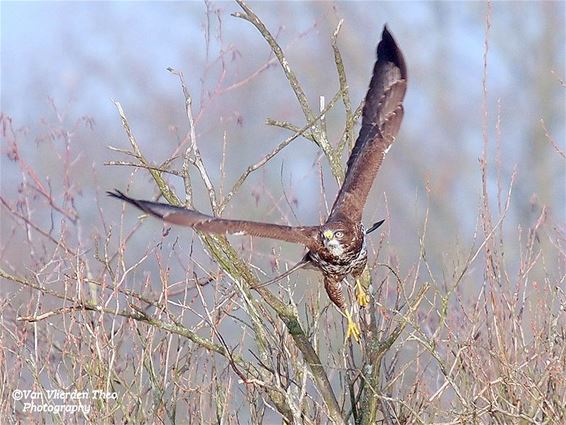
202, 340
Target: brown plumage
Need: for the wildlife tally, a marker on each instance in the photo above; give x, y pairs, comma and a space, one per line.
381, 119
338, 247
209, 224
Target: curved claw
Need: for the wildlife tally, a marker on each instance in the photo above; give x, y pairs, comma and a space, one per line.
353, 328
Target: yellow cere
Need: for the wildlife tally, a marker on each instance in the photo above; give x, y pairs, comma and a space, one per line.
328, 234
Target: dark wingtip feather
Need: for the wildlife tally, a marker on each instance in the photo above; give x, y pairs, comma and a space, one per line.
139, 204
117, 194
388, 51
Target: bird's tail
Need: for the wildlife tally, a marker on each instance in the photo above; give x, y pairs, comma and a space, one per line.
374, 226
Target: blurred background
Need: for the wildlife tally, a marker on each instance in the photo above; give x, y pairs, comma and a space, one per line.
63, 64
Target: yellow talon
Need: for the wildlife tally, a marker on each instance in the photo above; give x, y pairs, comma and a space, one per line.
353, 328
362, 295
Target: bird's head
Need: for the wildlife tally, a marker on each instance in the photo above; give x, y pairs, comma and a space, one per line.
333, 241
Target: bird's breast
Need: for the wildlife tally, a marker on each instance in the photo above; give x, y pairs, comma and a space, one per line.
350, 259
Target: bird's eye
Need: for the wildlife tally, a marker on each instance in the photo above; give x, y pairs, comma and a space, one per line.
339, 234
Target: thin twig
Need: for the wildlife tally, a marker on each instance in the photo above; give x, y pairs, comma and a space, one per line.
274, 152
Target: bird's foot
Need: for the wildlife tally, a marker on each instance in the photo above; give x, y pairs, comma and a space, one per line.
353, 328
362, 295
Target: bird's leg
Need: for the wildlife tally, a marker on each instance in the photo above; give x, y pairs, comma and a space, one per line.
361, 289
362, 295
332, 286
353, 328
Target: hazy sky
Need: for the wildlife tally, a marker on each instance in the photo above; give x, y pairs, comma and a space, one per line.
83, 55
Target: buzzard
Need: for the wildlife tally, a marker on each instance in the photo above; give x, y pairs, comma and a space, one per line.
338, 247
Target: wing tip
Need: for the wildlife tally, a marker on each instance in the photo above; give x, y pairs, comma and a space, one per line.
142, 205
116, 194
388, 50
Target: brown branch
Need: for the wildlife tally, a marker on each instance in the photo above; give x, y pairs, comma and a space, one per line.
137, 314
194, 150
551, 140
375, 354
42, 232
227, 257
163, 187
145, 166
250, 16
318, 131
274, 152
348, 138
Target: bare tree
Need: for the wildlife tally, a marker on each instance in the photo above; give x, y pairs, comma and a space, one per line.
201, 340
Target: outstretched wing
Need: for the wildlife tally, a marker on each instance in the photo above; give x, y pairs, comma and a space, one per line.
381, 119
206, 223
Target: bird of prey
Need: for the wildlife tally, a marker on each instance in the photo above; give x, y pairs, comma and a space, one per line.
338, 247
